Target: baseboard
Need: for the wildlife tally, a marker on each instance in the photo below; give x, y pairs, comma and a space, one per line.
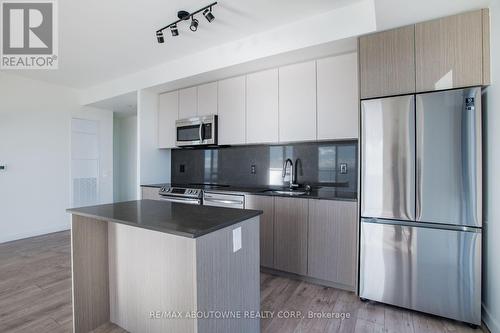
492, 325
33, 233
307, 279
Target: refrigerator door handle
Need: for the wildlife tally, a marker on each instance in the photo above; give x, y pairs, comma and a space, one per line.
418, 188
439, 226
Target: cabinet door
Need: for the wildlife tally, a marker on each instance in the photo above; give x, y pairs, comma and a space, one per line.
232, 111
168, 113
150, 193
297, 102
262, 107
187, 103
266, 204
387, 63
449, 52
333, 241
207, 99
290, 235
338, 97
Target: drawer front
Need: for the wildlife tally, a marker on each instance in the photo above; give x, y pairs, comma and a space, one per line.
425, 269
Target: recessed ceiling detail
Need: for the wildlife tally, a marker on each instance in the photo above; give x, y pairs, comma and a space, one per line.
184, 16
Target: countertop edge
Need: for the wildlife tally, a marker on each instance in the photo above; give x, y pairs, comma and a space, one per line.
172, 232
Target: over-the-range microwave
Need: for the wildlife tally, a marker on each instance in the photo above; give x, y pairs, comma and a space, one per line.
196, 131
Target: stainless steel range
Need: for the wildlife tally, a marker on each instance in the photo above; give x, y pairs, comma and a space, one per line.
184, 195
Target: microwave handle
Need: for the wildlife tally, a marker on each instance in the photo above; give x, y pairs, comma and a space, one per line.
199, 132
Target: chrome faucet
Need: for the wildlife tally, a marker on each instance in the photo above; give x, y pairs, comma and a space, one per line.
293, 173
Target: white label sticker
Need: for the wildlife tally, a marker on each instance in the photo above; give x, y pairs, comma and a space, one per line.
236, 239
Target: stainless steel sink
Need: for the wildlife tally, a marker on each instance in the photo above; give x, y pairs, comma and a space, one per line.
289, 192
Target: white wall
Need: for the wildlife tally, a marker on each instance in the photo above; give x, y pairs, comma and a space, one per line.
491, 235
125, 157
154, 163
35, 144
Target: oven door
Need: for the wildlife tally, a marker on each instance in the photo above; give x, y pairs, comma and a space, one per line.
196, 131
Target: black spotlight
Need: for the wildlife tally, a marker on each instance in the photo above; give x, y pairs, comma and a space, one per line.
194, 24
173, 30
208, 15
183, 15
159, 36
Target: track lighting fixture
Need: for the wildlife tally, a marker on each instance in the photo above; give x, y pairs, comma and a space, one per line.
183, 16
194, 24
159, 36
173, 30
208, 15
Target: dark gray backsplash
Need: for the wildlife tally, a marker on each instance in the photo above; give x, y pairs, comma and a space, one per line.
321, 163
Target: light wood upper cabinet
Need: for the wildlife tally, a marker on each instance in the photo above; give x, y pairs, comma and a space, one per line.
387, 63
452, 52
332, 244
232, 111
207, 99
290, 234
262, 107
168, 113
338, 97
297, 102
266, 204
187, 103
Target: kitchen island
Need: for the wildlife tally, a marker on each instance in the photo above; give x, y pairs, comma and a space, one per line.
153, 266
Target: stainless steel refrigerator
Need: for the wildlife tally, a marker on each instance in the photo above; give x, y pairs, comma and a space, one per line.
421, 202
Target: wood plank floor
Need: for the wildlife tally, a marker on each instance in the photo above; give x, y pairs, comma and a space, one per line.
35, 296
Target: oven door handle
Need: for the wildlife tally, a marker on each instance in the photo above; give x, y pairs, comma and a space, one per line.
181, 200
229, 202
199, 132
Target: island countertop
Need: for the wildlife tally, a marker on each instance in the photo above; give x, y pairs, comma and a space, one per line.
174, 218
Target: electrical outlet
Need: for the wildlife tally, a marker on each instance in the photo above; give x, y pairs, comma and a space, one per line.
343, 168
182, 168
236, 239
253, 170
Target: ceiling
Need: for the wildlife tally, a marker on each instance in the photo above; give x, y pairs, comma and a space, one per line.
125, 104
103, 40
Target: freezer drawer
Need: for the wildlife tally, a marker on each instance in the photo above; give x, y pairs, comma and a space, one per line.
437, 271
449, 161
388, 158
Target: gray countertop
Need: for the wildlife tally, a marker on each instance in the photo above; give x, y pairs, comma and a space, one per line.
174, 218
320, 192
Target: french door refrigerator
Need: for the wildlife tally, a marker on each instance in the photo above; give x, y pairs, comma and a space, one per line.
421, 202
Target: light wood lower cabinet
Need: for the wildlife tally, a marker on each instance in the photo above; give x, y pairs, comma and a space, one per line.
265, 204
150, 193
332, 249
290, 234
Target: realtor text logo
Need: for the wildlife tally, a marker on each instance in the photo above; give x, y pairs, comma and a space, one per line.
29, 35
